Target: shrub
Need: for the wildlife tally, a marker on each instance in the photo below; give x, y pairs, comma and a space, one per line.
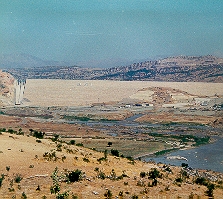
63, 158
130, 158
62, 195
154, 174
210, 190
142, 174
7, 168
23, 195
38, 135
168, 169
109, 144
79, 144
201, 181
72, 142
180, 180
101, 159
74, 176
18, 178
115, 152
55, 137
1, 179
86, 160
59, 147
3, 130
11, 131
101, 175
108, 194
184, 165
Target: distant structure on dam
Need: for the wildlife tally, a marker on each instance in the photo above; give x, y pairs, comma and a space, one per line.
19, 90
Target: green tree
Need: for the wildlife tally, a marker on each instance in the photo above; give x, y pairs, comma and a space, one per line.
109, 144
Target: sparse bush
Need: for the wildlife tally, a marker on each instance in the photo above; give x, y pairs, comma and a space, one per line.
38, 141
63, 158
62, 195
108, 194
86, 160
96, 169
38, 135
112, 175
38, 188
201, 181
210, 190
55, 189
72, 142
167, 188
74, 176
120, 193
18, 178
1, 179
79, 144
3, 130
168, 169
154, 174
142, 174
135, 197
59, 147
130, 158
101, 175
109, 144
101, 159
115, 152
23, 195
105, 154
184, 165
50, 156
7, 168
180, 180
140, 183
55, 137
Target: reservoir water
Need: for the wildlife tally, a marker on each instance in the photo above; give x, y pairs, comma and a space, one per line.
208, 156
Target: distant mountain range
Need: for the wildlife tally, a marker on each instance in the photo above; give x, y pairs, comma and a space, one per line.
10, 61
180, 68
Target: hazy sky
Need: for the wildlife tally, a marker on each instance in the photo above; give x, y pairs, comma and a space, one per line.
100, 31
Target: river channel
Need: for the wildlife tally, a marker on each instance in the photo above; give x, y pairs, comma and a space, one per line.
209, 156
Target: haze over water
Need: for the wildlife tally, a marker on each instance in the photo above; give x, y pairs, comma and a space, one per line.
111, 32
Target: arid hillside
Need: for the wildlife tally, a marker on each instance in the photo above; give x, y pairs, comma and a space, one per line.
45, 168
6, 88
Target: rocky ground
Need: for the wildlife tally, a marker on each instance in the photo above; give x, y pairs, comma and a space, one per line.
6, 89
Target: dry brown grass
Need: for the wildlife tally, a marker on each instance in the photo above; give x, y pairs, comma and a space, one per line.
19, 153
84, 92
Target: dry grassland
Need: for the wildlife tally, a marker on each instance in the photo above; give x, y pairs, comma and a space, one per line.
24, 156
85, 92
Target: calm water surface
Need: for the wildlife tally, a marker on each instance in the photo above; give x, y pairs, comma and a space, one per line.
208, 156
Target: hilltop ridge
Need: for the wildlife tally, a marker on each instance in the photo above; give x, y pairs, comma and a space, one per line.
179, 69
